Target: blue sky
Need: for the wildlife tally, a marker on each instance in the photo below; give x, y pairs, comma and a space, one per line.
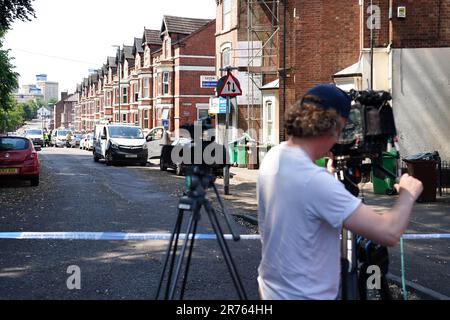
69, 37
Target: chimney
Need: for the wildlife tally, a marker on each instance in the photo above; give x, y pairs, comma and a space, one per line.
64, 95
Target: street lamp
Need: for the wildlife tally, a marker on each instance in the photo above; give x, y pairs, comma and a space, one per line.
119, 72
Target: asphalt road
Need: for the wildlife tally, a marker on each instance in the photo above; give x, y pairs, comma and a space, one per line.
78, 195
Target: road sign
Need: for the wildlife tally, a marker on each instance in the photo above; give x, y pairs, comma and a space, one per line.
229, 86
218, 105
208, 81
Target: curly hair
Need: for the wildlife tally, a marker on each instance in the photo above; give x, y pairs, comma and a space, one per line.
307, 119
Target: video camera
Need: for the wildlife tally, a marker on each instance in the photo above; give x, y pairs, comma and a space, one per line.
202, 155
370, 125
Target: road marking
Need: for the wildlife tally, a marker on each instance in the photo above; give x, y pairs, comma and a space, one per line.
111, 236
116, 236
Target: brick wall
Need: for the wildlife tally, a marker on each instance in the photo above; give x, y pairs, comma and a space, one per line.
322, 37
427, 24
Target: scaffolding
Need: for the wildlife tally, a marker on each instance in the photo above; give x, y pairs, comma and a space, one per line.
263, 52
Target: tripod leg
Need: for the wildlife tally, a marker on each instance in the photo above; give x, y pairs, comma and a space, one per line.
188, 262
175, 235
225, 251
181, 257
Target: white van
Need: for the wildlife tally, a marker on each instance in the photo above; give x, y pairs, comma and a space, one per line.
120, 143
35, 135
59, 137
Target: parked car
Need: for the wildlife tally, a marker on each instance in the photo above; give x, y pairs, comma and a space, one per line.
156, 138
59, 137
166, 160
19, 159
90, 143
120, 143
78, 138
36, 136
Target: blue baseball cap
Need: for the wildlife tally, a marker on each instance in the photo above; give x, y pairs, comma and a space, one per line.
332, 98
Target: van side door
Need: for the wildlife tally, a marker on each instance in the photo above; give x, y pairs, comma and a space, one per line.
154, 142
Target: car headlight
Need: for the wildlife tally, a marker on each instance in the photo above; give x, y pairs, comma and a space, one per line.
114, 146
144, 147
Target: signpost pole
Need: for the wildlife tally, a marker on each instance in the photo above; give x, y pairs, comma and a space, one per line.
228, 87
226, 172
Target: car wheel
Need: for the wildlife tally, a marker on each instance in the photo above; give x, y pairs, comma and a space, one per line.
179, 170
34, 181
95, 157
162, 166
109, 159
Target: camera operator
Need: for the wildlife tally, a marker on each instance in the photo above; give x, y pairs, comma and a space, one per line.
302, 207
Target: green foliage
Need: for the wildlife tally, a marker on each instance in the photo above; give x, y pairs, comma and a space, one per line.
11, 10
29, 110
52, 101
11, 119
8, 78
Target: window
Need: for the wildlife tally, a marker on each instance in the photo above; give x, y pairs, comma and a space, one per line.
166, 79
145, 119
202, 112
136, 92
117, 96
124, 118
117, 117
124, 95
226, 58
165, 114
269, 121
146, 87
226, 17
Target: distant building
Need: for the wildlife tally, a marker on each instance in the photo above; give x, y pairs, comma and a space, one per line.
43, 89
49, 89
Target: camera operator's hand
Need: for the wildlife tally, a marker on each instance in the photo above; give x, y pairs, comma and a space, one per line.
410, 185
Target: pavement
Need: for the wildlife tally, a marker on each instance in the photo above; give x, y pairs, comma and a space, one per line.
427, 262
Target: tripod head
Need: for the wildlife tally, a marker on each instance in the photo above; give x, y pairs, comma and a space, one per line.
198, 179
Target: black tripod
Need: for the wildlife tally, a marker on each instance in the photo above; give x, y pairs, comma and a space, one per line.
201, 179
354, 259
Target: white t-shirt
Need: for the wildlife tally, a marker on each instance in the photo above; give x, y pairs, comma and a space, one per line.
302, 208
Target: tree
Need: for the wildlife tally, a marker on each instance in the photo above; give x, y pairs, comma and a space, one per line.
11, 119
8, 78
11, 10
52, 101
29, 110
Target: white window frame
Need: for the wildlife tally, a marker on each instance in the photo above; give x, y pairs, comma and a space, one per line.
146, 87
124, 95
136, 92
226, 15
165, 83
145, 117
201, 107
269, 138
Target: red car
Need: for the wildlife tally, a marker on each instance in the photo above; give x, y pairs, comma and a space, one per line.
19, 159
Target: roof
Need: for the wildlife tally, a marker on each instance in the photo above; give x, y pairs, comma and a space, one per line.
272, 85
152, 37
127, 52
72, 98
111, 62
352, 71
137, 48
182, 25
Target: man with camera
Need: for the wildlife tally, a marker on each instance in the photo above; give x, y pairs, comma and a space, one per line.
303, 208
